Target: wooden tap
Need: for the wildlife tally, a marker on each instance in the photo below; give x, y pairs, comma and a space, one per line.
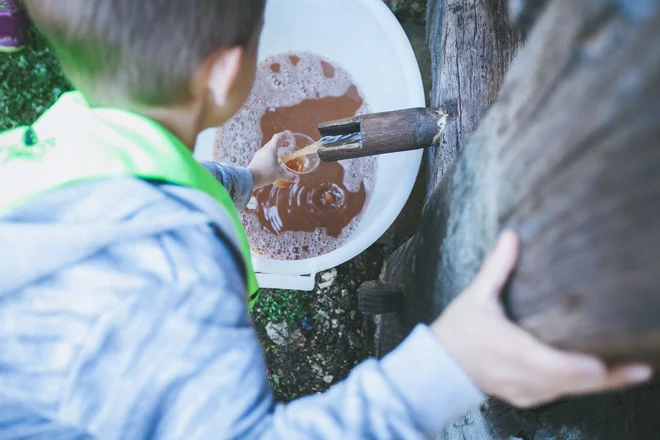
381, 133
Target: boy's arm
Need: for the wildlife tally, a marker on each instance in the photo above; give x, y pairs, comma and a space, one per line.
264, 170
412, 393
236, 180
180, 359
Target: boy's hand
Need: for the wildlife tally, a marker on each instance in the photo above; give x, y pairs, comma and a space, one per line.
265, 167
509, 363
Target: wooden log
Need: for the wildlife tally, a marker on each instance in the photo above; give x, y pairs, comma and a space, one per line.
568, 156
472, 46
378, 298
381, 133
585, 199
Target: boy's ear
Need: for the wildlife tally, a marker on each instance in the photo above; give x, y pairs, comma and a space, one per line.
224, 68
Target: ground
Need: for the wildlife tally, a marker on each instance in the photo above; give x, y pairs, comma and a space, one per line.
312, 339
30, 82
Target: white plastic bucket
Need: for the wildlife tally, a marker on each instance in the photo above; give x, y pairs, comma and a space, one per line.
363, 37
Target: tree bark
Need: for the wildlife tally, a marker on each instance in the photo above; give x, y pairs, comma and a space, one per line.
569, 157
472, 46
577, 153
471, 49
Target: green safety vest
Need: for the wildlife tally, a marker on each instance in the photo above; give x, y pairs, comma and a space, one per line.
73, 142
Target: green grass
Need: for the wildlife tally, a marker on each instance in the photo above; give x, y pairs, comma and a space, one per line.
30, 82
281, 305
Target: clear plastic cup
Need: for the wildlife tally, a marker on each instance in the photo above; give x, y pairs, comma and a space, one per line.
292, 142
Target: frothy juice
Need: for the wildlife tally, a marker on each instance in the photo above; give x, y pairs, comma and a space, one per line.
297, 153
298, 164
296, 92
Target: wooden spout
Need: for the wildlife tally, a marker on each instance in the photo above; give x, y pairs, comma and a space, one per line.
382, 133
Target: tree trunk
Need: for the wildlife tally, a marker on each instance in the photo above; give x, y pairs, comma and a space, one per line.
569, 157
472, 46
471, 49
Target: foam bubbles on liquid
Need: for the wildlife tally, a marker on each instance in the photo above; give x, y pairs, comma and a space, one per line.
240, 138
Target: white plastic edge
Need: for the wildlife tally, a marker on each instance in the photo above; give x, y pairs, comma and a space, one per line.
290, 282
415, 86
300, 275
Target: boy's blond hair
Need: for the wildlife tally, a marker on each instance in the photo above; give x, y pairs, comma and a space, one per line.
145, 50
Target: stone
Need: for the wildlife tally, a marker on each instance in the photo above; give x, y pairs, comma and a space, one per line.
328, 278
298, 338
278, 332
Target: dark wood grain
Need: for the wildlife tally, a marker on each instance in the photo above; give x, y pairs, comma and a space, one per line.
586, 200
377, 298
383, 133
569, 156
472, 45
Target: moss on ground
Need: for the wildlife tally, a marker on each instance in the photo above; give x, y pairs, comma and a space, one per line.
30, 82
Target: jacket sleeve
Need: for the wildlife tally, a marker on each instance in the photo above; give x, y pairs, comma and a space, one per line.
179, 358
238, 181
412, 393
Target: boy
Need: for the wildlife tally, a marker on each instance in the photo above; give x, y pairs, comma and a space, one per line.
125, 272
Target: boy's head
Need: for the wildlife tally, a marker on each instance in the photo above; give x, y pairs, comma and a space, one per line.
156, 53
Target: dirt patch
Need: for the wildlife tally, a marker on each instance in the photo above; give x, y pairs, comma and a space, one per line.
314, 339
